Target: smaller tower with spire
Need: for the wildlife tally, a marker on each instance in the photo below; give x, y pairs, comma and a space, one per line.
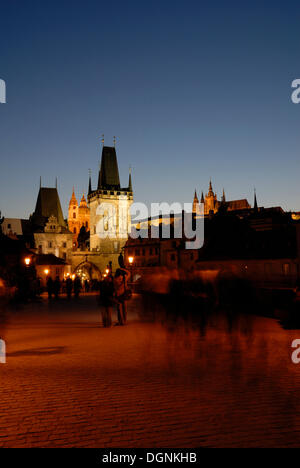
196, 206
211, 202
78, 216
255, 202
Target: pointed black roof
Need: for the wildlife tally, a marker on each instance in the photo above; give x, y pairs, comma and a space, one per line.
109, 171
48, 204
130, 183
90, 186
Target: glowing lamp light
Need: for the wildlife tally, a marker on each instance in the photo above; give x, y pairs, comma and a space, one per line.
27, 261
46, 271
130, 259
107, 271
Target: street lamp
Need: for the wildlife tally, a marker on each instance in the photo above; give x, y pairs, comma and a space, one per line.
46, 272
27, 261
130, 260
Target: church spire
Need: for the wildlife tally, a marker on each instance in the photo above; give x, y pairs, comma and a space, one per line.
196, 206
130, 181
255, 201
83, 201
73, 200
202, 197
223, 197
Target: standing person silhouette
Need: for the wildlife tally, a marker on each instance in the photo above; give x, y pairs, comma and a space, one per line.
106, 299
77, 287
122, 294
56, 287
50, 287
69, 287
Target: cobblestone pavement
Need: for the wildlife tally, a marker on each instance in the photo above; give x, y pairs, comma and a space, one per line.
154, 383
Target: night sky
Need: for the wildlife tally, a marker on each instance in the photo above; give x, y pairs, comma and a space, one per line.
191, 89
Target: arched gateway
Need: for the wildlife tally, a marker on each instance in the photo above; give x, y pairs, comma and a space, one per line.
87, 271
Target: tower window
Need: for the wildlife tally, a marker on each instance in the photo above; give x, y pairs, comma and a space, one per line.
74, 215
75, 230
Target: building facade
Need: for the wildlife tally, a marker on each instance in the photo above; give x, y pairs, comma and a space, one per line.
78, 217
51, 235
110, 221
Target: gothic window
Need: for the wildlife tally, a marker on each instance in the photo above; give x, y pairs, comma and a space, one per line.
64, 245
50, 245
74, 215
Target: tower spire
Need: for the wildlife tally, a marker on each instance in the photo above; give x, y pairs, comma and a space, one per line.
196, 207
255, 201
130, 181
90, 182
223, 196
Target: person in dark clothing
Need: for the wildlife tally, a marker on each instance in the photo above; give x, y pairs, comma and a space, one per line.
69, 287
86, 286
56, 287
50, 287
106, 300
77, 287
120, 287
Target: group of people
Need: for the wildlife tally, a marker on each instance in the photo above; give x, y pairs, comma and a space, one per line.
54, 287
114, 291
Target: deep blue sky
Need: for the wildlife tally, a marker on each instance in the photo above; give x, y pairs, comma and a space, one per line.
191, 89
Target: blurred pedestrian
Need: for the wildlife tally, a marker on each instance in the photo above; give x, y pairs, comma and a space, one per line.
56, 287
122, 294
69, 287
106, 299
77, 287
49, 287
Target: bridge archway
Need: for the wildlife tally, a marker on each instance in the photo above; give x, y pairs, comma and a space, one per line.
87, 271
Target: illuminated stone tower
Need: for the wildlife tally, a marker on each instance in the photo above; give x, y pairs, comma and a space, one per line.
211, 203
109, 209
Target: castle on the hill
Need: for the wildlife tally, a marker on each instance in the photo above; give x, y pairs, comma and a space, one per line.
212, 205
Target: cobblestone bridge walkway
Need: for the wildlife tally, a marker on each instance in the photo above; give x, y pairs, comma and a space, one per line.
158, 382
